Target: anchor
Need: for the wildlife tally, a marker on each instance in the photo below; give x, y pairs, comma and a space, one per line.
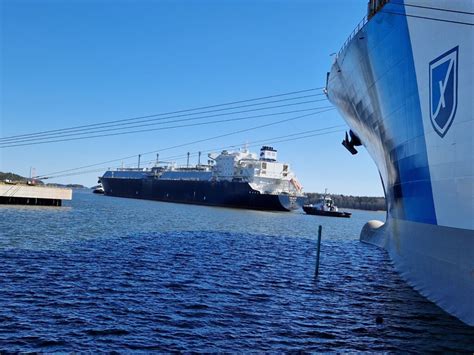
353, 142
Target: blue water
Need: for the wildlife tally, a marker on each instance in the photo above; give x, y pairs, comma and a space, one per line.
111, 274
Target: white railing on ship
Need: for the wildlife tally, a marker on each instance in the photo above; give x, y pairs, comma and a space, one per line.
356, 30
374, 7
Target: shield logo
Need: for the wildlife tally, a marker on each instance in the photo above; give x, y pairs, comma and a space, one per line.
444, 90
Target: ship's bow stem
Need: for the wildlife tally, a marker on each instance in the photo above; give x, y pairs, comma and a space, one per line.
403, 82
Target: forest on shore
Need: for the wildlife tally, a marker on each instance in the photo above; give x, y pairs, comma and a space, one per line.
354, 202
15, 178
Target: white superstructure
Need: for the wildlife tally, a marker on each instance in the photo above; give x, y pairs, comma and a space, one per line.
264, 173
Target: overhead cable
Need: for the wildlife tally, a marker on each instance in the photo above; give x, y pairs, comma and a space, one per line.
433, 8
138, 118
270, 141
322, 110
427, 18
250, 144
88, 135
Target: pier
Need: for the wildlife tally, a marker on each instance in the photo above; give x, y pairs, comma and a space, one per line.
23, 194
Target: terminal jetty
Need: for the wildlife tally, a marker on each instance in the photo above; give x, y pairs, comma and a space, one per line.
20, 193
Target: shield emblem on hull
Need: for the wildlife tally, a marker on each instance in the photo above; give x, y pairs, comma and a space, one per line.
444, 90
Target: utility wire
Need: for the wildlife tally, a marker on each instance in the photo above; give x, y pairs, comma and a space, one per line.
427, 18
128, 124
88, 135
143, 130
433, 8
167, 113
191, 143
270, 141
253, 143
248, 144
44, 176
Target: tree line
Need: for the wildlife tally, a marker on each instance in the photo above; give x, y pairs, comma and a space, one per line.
15, 178
356, 202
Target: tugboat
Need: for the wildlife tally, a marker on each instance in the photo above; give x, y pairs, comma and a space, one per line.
325, 207
98, 189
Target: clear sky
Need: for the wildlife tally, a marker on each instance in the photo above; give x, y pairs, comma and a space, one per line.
76, 62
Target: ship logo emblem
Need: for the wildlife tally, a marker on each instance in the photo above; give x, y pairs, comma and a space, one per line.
444, 90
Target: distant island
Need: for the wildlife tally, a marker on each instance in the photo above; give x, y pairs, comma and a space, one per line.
16, 178
356, 202
21, 179
71, 186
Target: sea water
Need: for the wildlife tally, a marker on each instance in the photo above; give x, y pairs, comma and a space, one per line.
111, 274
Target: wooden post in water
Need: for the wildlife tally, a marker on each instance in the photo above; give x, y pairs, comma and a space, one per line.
316, 271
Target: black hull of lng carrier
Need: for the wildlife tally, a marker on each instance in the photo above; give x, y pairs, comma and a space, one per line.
236, 179
219, 193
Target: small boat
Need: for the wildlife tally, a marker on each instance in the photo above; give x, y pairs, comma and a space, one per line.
98, 190
325, 207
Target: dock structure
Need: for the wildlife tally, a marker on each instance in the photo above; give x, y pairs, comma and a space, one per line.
35, 195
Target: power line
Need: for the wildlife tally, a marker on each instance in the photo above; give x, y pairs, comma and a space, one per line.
267, 141
191, 143
427, 18
37, 136
274, 140
164, 114
88, 135
256, 143
434, 8
145, 130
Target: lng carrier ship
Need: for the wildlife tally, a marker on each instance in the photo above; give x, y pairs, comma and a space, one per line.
230, 179
403, 81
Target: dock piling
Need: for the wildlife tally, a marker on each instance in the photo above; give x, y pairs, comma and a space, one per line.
318, 251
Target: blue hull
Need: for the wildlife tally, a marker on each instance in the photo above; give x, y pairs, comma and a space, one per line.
403, 83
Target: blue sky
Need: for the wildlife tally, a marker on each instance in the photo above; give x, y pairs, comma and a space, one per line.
70, 63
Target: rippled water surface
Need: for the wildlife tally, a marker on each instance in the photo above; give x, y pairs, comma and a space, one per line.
104, 274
